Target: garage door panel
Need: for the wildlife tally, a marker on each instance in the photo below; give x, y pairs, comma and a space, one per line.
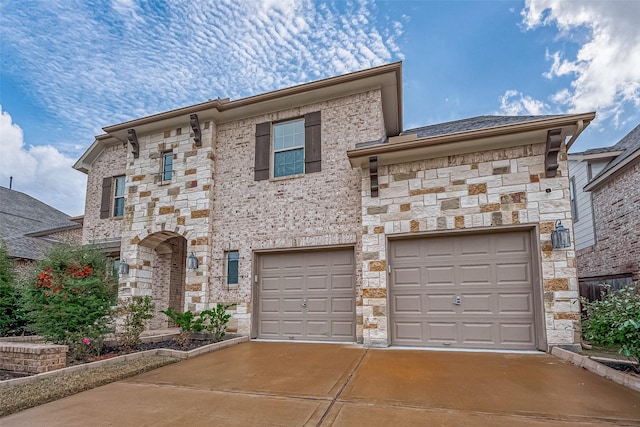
439, 275
342, 282
270, 284
291, 305
442, 331
406, 276
317, 305
270, 305
408, 332
478, 333
324, 279
475, 274
477, 303
344, 305
513, 273
440, 303
343, 329
518, 334
404, 304
515, 303
492, 275
317, 282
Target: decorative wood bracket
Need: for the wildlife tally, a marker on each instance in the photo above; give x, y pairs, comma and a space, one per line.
554, 143
373, 175
195, 126
133, 140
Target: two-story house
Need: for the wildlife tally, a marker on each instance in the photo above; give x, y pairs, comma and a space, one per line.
316, 213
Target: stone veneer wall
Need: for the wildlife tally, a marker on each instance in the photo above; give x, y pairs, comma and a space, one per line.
616, 206
491, 188
111, 162
158, 210
215, 204
317, 209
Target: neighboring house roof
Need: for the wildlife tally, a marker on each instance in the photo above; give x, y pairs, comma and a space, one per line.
629, 148
26, 223
469, 135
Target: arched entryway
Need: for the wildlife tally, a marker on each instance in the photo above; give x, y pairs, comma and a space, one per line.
163, 256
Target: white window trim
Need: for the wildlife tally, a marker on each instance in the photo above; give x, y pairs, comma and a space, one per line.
273, 151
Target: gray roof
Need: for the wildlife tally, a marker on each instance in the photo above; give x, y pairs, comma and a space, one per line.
473, 123
21, 215
628, 145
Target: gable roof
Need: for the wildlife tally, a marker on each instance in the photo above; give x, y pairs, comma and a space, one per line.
629, 148
22, 216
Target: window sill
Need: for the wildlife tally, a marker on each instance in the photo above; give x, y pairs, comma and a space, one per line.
284, 178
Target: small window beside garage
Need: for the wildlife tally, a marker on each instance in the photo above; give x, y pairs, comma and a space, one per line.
231, 261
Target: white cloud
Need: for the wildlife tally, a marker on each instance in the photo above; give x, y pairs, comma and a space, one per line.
514, 103
93, 64
605, 71
39, 171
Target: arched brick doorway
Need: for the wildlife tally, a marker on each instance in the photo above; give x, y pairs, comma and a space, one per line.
164, 256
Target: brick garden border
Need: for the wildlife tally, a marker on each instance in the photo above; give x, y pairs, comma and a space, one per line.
589, 364
177, 354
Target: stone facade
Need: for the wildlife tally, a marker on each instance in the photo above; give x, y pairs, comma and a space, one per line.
616, 206
110, 163
214, 204
493, 188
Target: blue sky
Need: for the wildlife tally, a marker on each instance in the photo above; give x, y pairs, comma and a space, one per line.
70, 67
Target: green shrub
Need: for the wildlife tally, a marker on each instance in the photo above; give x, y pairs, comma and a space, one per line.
614, 321
69, 299
133, 314
13, 320
216, 320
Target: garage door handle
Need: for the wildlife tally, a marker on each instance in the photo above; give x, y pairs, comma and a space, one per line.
458, 300
304, 303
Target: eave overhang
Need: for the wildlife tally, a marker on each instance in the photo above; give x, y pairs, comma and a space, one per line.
594, 156
409, 147
601, 179
387, 78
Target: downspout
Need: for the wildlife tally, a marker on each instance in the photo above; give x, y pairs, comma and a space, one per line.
576, 134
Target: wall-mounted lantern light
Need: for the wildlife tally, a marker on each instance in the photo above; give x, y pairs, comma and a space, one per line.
123, 269
192, 262
560, 237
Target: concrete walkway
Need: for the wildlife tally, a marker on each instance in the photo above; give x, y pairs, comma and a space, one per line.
294, 384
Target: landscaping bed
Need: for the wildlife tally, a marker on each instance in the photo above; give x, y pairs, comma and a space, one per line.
26, 392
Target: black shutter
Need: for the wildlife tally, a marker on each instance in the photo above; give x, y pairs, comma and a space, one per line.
263, 150
312, 143
106, 198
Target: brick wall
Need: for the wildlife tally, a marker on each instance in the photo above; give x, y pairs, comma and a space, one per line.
487, 189
111, 162
214, 203
32, 358
616, 206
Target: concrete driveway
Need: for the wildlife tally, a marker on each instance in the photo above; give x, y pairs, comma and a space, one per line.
287, 384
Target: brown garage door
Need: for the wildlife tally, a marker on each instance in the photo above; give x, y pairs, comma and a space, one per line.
307, 295
469, 291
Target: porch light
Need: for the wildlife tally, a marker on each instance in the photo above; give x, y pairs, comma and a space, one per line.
123, 268
560, 237
192, 262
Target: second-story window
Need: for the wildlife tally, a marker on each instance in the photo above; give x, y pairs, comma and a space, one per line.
118, 196
288, 148
167, 166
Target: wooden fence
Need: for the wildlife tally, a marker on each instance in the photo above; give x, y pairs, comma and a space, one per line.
592, 288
